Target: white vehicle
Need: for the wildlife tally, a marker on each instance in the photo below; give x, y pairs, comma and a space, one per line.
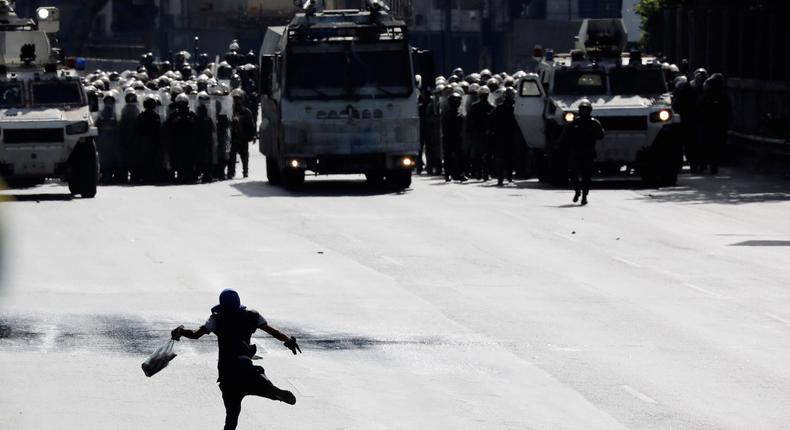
338, 97
46, 130
629, 97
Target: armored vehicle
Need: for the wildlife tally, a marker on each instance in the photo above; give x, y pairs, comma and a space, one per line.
629, 96
46, 130
338, 97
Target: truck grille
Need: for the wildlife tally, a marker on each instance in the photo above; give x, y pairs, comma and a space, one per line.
623, 123
33, 135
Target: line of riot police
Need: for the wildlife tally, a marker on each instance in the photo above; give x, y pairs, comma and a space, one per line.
164, 123
468, 127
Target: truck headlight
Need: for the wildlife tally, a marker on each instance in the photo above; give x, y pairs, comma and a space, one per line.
77, 128
569, 117
664, 115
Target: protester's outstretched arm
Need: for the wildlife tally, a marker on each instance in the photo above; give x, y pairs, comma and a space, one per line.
189, 334
289, 342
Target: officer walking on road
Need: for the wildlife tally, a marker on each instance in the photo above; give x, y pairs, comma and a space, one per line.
234, 325
241, 134
503, 133
580, 136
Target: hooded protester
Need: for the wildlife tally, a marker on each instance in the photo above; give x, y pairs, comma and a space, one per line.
234, 325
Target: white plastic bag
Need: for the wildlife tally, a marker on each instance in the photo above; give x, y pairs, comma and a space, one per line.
159, 359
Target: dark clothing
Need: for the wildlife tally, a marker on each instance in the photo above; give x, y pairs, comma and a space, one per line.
716, 118
452, 123
108, 144
477, 125
684, 104
205, 146
148, 133
503, 126
223, 145
238, 377
242, 131
580, 138
131, 152
181, 133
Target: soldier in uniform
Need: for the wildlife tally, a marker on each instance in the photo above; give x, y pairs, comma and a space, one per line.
580, 136
242, 133
234, 325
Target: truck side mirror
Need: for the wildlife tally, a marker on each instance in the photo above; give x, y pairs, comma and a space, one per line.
267, 71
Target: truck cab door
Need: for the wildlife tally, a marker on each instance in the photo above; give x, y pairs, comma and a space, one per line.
529, 107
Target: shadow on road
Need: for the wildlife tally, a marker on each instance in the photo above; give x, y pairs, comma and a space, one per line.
730, 189
315, 188
763, 243
35, 198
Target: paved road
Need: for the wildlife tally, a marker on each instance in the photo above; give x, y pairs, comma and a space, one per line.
446, 306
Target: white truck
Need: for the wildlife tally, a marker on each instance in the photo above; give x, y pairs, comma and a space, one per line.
338, 97
46, 130
629, 97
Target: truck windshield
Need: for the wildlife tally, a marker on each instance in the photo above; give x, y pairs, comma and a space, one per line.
632, 81
56, 93
349, 71
10, 95
579, 83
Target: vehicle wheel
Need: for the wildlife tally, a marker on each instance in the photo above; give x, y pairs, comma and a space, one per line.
292, 179
84, 170
399, 179
375, 179
272, 171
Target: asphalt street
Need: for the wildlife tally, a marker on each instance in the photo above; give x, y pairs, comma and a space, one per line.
446, 306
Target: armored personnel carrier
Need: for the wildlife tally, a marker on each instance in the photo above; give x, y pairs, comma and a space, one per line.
629, 96
46, 130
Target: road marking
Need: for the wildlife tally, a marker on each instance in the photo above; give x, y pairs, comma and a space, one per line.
704, 291
638, 395
776, 318
391, 260
628, 262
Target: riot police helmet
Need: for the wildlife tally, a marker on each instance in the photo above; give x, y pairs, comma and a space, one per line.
182, 98
510, 93
483, 91
459, 72
235, 81
149, 102
455, 99
234, 46
131, 97
585, 108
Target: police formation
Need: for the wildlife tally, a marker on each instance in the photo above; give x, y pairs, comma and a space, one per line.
468, 127
175, 122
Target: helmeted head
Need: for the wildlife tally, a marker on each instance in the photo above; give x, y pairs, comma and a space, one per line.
483, 92
585, 108
455, 99
182, 103
459, 72
510, 94
234, 46
149, 103
700, 75
130, 97
238, 97
229, 301
715, 83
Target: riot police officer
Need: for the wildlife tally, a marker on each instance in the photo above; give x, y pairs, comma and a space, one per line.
108, 139
477, 125
503, 133
181, 132
205, 129
148, 133
130, 154
580, 137
452, 124
716, 113
242, 133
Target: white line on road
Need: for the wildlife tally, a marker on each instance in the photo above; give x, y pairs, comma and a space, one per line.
776, 318
638, 395
628, 262
704, 291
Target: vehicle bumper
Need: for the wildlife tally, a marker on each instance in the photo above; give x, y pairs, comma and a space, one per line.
327, 164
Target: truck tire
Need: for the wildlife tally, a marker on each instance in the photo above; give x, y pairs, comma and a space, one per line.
272, 171
84, 170
399, 179
292, 179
